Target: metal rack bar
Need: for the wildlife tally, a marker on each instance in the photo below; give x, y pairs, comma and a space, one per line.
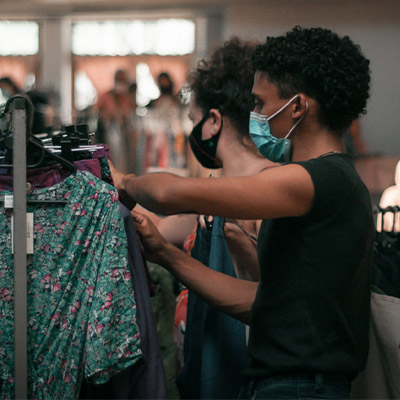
19, 119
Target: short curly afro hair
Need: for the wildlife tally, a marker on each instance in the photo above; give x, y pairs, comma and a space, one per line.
225, 81
322, 65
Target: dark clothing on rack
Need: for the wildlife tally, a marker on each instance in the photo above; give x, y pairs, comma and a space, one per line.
311, 312
380, 378
215, 351
150, 380
386, 271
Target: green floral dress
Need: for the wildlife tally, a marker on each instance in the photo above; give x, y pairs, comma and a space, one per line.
81, 306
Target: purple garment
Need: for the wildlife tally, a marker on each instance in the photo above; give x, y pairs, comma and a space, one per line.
104, 152
51, 175
146, 379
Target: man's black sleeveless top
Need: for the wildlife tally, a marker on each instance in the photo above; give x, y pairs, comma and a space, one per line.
311, 312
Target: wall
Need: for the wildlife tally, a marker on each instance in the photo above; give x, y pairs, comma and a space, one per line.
374, 24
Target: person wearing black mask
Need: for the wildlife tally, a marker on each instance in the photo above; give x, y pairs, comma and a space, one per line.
219, 89
220, 92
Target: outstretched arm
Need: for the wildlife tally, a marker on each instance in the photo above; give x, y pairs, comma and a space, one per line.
284, 191
231, 295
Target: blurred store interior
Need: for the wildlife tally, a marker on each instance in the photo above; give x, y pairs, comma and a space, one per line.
67, 54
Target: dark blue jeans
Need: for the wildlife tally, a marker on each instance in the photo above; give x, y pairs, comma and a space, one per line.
300, 387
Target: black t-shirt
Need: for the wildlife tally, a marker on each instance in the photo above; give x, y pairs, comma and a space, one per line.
311, 312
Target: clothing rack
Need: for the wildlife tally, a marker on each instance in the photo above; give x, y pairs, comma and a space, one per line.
19, 127
18, 110
16, 141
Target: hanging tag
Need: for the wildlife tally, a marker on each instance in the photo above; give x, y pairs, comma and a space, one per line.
29, 233
8, 201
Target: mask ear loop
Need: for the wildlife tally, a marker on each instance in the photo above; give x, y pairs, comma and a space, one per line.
300, 119
282, 108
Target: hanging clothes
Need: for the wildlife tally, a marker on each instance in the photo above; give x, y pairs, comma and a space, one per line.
45, 177
386, 270
81, 305
380, 378
162, 139
145, 379
215, 351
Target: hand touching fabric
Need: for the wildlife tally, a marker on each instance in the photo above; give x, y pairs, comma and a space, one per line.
118, 177
153, 243
231, 295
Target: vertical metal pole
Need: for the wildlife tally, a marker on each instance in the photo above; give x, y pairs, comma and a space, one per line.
20, 263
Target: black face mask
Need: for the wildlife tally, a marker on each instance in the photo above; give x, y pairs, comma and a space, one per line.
205, 150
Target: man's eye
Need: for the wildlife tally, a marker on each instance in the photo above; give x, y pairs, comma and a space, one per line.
257, 105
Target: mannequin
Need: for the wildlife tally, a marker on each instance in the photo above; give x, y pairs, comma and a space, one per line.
390, 198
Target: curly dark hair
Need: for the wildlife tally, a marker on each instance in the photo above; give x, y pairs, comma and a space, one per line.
225, 81
324, 66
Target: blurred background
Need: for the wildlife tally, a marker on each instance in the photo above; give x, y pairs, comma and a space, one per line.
119, 66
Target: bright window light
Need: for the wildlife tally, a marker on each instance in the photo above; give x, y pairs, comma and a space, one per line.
85, 92
19, 38
120, 38
146, 87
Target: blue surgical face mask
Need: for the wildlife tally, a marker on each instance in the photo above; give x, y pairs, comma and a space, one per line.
276, 150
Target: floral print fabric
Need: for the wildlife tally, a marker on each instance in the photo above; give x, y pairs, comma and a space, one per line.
81, 307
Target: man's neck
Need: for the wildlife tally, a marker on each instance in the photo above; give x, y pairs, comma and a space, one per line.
314, 143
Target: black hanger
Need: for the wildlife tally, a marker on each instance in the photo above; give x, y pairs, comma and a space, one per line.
32, 142
387, 238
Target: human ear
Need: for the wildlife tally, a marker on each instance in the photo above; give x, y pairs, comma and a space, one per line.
300, 106
215, 121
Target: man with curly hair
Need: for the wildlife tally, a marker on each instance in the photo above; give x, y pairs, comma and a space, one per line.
309, 314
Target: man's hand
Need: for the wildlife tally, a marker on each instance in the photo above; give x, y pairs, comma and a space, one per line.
153, 243
118, 178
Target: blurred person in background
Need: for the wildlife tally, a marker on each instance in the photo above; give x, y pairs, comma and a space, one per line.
114, 126
167, 96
